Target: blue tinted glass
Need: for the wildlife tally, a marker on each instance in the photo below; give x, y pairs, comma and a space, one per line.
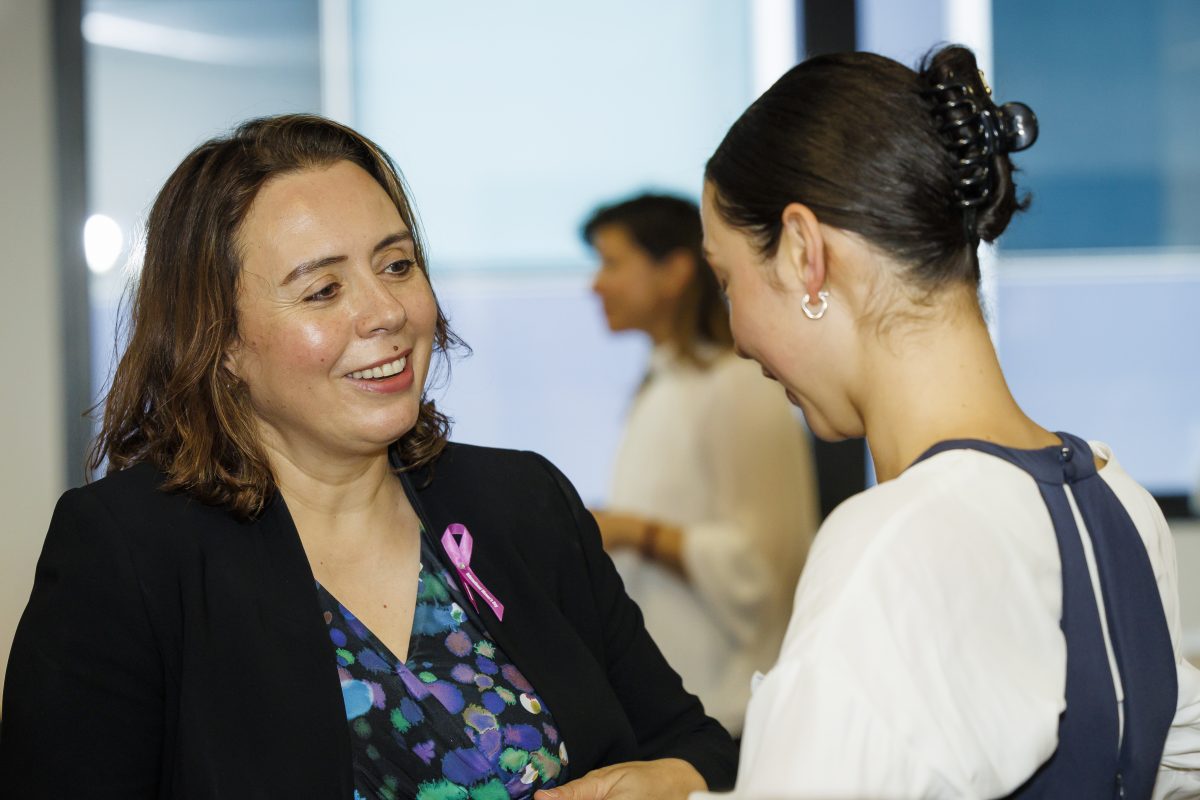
1117, 91
1096, 331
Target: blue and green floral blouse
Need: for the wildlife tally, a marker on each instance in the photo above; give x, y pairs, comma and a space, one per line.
457, 720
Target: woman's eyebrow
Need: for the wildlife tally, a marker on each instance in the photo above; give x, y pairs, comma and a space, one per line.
324, 261
310, 266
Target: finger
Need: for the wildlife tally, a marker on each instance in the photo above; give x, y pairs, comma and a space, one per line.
585, 788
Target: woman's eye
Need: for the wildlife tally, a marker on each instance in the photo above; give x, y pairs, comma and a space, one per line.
401, 267
326, 292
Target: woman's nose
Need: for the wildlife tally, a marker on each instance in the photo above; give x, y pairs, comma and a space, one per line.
381, 308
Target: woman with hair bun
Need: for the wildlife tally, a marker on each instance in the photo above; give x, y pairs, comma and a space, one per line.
999, 616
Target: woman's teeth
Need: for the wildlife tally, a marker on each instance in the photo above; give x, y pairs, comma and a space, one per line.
385, 371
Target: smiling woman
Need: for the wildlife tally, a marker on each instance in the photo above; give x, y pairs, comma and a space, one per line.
275, 590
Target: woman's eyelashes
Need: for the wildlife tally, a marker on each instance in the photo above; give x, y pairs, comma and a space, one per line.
326, 292
401, 266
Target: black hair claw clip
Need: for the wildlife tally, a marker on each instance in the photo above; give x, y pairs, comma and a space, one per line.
1018, 127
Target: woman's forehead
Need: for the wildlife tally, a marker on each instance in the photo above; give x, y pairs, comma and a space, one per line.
329, 192
338, 208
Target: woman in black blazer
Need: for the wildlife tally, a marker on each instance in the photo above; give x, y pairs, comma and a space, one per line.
289, 584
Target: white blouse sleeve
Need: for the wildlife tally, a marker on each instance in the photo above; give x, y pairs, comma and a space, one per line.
745, 559
1179, 772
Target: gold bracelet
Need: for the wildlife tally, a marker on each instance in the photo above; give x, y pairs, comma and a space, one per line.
649, 540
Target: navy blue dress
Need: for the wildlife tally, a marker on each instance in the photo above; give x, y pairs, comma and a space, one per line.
1098, 754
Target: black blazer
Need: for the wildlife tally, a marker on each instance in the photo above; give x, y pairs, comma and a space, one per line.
169, 650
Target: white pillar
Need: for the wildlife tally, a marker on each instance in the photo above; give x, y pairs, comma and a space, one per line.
31, 395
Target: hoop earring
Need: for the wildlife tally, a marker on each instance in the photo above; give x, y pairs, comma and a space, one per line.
820, 310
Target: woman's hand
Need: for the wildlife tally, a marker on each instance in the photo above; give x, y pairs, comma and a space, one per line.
655, 541
670, 778
620, 531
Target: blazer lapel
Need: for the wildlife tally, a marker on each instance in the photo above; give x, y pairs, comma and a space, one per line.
294, 636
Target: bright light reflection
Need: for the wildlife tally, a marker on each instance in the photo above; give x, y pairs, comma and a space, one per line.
102, 242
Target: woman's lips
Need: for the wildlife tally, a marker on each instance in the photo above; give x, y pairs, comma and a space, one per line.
393, 376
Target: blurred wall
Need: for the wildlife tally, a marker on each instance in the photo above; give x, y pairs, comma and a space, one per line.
30, 347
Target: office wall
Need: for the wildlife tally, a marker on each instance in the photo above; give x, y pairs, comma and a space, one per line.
31, 425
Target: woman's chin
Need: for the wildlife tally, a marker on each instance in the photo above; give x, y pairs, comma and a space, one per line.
818, 423
377, 435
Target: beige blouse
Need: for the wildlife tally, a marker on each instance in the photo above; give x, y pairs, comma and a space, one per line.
721, 453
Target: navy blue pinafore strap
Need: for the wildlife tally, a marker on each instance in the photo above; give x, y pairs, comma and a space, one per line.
1095, 758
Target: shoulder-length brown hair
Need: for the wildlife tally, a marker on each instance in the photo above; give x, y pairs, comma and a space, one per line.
172, 401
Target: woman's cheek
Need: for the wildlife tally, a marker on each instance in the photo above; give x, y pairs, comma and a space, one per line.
310, 344
747, 332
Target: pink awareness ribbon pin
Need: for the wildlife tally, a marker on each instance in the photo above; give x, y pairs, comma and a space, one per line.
460, 556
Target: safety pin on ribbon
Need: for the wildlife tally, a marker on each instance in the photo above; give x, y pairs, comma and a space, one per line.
460, 556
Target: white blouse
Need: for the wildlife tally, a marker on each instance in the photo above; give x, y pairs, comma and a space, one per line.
924, 657
720, 453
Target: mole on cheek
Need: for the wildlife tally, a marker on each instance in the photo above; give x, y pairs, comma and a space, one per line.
395, 347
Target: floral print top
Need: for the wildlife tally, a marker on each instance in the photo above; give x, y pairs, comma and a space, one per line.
457, 720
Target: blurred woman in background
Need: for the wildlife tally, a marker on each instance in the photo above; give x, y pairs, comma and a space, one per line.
713, 499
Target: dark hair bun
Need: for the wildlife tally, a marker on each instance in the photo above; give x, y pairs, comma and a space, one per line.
916, 164
979, 135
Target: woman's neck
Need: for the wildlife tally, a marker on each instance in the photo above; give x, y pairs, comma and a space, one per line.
342, 499
934, 381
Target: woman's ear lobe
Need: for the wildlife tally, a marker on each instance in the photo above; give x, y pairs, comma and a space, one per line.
230, 360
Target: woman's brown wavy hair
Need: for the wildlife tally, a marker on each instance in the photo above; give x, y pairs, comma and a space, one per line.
172, 402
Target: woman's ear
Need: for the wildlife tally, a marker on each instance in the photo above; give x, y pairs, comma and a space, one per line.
676, 272
231, 361
802, 249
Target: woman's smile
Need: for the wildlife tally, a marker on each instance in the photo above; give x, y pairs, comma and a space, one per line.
387, 377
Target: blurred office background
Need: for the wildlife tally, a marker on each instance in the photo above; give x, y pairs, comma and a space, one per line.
511, 121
